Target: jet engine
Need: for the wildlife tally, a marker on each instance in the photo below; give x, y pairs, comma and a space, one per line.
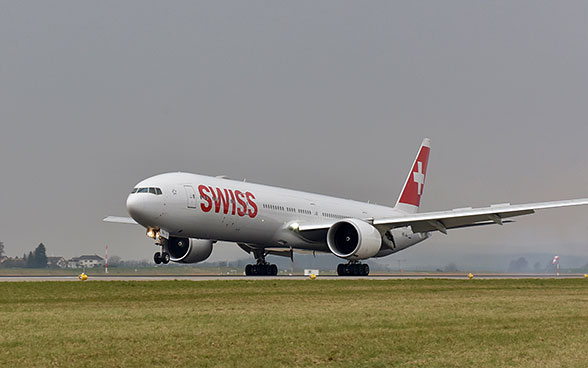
188, 250
354, 239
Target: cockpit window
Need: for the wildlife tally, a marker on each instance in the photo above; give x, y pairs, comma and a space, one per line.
152, 190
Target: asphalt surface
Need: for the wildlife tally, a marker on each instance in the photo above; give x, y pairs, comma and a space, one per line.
294, 277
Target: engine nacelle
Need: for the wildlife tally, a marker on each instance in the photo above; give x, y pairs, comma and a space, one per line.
184, 250
354, 239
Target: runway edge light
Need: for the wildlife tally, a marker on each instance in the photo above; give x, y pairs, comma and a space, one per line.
470, 275
82, 276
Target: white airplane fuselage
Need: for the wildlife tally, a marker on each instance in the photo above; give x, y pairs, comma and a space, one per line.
219, 209
187, 213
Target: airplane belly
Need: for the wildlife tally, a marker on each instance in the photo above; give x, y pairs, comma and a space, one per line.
192, 223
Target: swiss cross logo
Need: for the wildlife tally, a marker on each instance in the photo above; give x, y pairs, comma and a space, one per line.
415, 184
419, 177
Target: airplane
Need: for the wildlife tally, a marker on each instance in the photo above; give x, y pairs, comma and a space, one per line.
186, 214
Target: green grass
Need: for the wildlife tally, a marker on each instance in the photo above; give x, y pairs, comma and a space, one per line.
339, 323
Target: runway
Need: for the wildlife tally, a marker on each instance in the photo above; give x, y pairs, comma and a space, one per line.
14, 278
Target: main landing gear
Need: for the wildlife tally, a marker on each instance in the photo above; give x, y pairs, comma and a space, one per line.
262, 268
353, 269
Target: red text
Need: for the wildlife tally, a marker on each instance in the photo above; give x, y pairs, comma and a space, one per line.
227, 201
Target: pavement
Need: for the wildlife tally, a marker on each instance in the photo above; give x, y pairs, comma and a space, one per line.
285, 277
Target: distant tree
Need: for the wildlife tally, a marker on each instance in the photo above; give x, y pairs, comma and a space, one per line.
537, 267
452, 267
518, 265
40, 257
1, 248
114, 261
30, 260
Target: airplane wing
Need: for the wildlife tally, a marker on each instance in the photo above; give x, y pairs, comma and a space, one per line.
453, 219
120, 220
444, 220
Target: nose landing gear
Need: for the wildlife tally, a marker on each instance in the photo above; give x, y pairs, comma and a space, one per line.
353, 268
162, 256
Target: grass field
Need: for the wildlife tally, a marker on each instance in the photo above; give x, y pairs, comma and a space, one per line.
347, 323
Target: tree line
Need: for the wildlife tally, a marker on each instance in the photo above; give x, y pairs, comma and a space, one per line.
35, 259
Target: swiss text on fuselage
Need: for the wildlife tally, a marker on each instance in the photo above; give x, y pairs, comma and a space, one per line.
229, 201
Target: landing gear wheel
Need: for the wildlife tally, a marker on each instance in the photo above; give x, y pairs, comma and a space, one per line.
261, 270
365, 270
157, 258
349, 270
165, 258
353, 269
261, 267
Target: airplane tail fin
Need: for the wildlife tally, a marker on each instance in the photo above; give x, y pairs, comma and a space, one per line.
410, 197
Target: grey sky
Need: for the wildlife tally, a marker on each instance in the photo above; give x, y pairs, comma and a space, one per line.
331, 97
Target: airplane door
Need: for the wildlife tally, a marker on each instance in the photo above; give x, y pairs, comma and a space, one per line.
191, 196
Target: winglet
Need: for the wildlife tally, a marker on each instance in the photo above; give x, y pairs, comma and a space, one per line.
410, 197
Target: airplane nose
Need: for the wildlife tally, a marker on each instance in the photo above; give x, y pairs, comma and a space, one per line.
135, 206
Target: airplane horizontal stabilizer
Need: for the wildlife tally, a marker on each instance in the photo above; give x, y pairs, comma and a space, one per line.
120, 220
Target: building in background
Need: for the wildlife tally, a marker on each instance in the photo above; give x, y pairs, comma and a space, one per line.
86, 261
56, 262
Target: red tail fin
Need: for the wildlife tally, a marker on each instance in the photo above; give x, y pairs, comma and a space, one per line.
410, 198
